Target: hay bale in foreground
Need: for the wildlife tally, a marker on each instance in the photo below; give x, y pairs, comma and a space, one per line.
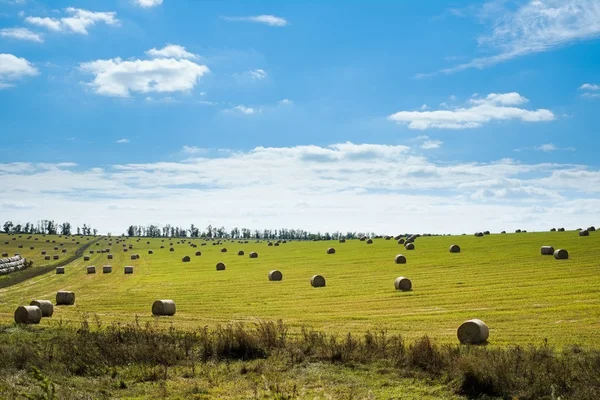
474, 331
4, 254
454, 248
400, 259
403, 284
253, 254
220, 266
128, 270
163, 307
547, 250
409, 246
270, 244
275, 275
331, 250
186, 259
317, 281
584, 233
91, 269
28, 315
65, 298
107, 269
241, 253
561, 254
45, 305
223, 250
60, 270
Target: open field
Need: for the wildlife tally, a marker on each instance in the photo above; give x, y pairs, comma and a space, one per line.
523, 296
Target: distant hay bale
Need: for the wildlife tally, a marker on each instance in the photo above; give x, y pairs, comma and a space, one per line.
400, 259
276, 244
107, 269
55, 248
503, 232
220, 266
400, 241
474, 331
223, 250
518, 231
342, 240
478, 234
454, 248
125, 250
269, 244
198, 253
91, 269
28, 315
109, 257
364, 238
128, 270
403, 284
60, 270
86, 258
370, 241
45, 305
486, 232
275, 275
331, 250
91, 251
163, 308
4, 254
134, 257
409, 246
547, 250
64, 298
162, 247
186, 259
171, 249
45, 258
20, 246
150, 252
553, 230
241, 253
388, 237
317, 281
561, 254
584, 233
561, 229
591, 229
31, 248
64, 250
253, 254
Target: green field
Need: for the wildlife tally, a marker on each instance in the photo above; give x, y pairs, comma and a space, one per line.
524, 297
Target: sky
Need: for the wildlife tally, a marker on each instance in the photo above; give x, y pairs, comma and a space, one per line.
429, 116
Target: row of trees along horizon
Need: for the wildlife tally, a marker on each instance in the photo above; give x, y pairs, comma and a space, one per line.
49, 227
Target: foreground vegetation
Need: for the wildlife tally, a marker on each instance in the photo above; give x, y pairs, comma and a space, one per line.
263, 360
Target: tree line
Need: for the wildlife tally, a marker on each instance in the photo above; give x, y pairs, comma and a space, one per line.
48, 227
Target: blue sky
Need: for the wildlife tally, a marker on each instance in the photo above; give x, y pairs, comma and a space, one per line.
394, 116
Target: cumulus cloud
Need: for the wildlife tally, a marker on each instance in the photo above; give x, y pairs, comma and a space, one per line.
77, 21
171, 51
194, 150
13, 68
21, 34
147, 3
590, 90
258, 74
432, 144
241, 109
494, 107
116, 77
270, 20
546, 148
286, 102
123, 140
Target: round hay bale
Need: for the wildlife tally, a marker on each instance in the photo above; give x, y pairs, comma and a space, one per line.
317, 281
486, 232
107, 269
28, 315
198, 253
4, 254
86, 258
403, 284
171, 249
400, 241
45, 305
109, 257
400, 259
163, 307
253, 254
64, 298
388, 237
518, 231
125, 250
370, 241
128, 270
223, 250
362, 239
45, 258
474, 331
342, 240
91, 269
454, 248
55, 248
241, 253
186, 259
561, 229
220, 266
503, 232
547, 250
591, 229
561, 254
478, 234
31, 248
553, 230
134, 257
64, 250
269, 244
331, 250
150, 252
162, 247
276, 244
60, 270
275, 275
584, 233
409, 246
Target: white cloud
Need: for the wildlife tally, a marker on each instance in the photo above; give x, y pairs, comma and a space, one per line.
241, 109
194, 150
432, 144
77, 21
309, 187
590, 95
171, 51
536, 26
424, 107
546, 148
494, 107
270, 20
21, 34
123, 140
286, 102
13, 68
589, 86
590, 90
116, 77
147, 3
258, 74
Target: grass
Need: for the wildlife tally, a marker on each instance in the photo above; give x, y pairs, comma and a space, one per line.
502, 279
